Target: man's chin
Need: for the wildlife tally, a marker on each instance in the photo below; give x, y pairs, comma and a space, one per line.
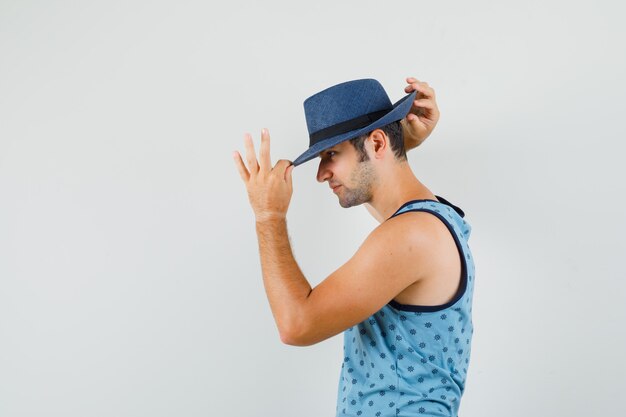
350, 199
348, 204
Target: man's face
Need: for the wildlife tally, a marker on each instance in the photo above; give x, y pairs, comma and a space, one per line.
350, 179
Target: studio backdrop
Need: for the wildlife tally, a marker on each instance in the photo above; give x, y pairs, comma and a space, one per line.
130, 282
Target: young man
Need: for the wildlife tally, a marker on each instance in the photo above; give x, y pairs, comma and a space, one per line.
403, 301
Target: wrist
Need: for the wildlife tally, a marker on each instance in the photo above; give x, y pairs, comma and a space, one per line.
270, 218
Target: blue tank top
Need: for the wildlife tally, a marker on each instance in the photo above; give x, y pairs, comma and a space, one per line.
410, 360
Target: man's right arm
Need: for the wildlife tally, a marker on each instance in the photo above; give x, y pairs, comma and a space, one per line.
423, 116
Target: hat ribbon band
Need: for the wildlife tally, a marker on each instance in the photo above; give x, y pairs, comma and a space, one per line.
347, 126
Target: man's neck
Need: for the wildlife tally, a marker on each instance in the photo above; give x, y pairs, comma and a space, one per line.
394, 188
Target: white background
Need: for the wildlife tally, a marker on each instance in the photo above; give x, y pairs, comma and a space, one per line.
130, 282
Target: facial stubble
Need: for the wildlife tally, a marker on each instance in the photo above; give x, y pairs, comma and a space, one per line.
363, 177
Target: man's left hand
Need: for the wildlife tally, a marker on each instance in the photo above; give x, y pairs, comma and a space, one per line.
422, 117
269, 189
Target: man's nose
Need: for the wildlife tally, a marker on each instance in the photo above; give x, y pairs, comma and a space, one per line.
322, 172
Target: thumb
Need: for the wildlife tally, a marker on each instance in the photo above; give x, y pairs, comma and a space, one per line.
414, 121
288, 175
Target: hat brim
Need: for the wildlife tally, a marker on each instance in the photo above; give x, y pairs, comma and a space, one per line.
399, 111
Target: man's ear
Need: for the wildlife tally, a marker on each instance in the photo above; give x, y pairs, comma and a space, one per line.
379, 143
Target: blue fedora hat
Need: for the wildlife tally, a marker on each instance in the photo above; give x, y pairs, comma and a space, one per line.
346, 111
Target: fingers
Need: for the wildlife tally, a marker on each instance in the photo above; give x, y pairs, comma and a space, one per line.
421, 87
243, 172
423, 108
253, 165
264, 163
282, 168
425, 103
264, 153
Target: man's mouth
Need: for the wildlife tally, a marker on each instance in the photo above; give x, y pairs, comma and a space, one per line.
335, 188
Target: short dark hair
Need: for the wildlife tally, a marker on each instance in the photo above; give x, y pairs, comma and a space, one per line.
393, 131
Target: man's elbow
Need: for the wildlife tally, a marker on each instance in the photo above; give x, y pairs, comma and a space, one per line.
287, 339
296, 338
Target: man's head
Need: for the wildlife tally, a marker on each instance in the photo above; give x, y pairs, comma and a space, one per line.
354, 167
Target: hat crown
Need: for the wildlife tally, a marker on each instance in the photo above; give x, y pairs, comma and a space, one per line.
343, 102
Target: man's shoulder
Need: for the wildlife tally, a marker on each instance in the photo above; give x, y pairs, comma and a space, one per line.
405, 248
420, 243
412, 226
417, 235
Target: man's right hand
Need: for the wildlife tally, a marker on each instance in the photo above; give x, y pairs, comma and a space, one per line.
422, 117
